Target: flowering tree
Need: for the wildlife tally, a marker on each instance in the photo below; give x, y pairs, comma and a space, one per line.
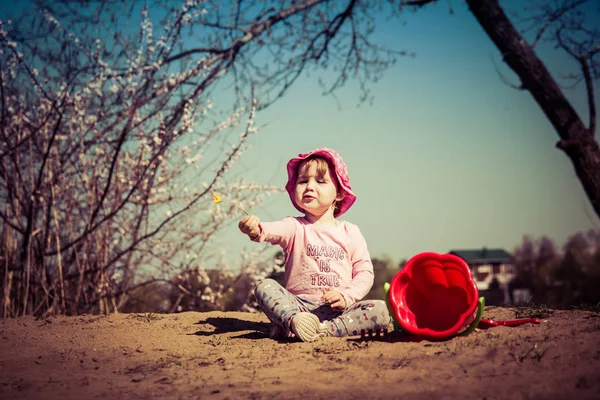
110, 147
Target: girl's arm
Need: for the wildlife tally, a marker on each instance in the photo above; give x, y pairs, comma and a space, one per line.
277, 233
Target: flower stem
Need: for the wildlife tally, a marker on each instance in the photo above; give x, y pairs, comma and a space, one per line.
239, 208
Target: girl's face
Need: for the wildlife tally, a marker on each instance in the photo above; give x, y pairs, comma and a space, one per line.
316, 187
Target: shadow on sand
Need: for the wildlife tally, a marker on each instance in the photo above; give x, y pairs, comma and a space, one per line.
260, 330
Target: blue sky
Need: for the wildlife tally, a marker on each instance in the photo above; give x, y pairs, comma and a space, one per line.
446, 157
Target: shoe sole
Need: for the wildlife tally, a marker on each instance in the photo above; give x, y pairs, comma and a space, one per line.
307, 327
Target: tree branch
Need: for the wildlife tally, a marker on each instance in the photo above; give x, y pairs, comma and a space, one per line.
589, 85
555, 16
417, 3
576, 140
587, 77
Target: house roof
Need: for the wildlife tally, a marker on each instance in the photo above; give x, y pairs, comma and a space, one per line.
483, 255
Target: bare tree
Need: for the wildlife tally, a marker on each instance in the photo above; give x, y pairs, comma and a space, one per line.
110, 147
565, 25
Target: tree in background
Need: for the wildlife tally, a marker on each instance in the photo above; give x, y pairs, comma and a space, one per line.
546, 262
573, 268
110, 142
566, 26
559, 279
384, 270
524, 261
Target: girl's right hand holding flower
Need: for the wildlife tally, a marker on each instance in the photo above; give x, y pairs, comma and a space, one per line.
250, 225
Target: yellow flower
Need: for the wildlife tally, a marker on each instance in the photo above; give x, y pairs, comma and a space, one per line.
217, 199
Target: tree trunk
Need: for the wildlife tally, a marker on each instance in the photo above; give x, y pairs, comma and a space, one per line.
575, 139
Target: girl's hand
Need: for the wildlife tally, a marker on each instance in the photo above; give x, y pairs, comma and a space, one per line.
335, 299
250, 226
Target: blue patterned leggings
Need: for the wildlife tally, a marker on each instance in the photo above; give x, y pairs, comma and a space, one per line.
280, 306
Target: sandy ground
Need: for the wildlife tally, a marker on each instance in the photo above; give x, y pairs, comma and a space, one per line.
228, 355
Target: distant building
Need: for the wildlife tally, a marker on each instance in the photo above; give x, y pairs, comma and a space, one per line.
492, 270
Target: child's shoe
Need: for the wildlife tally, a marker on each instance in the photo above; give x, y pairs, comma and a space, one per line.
307, 327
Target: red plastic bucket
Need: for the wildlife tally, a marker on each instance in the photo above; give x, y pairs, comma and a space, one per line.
434, 295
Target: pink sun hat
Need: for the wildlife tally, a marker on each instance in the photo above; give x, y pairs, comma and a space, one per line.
341, 173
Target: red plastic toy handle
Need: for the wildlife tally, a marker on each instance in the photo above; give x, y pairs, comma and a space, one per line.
488, 323
515, 322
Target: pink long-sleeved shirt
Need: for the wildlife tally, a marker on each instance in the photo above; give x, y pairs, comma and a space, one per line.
321, 258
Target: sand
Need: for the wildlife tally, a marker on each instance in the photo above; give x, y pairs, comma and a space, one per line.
227, 355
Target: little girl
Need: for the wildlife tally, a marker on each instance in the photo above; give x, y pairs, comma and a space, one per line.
328, 268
